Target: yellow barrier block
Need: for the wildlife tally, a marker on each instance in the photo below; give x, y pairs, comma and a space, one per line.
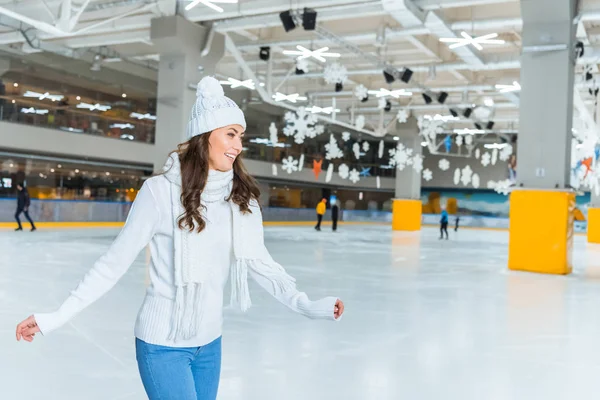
406, 215
541, 231
593, 225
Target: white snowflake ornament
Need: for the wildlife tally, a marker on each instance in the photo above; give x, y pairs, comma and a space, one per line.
506, 152
273, 133
332, 149
381, 148
290, 165
459, 140
365, 146
301, 163
343, 171
274, 169
301, 125
335, 73
475, 181
381, 103
457, 176
356, 150
417, 162
469, 140
354, 176
485, 159
477, 154
444, 164
361, 92
466, 175
378, 181
402, 115
494, 156
302, 65
329, 174
427, 174
399, 156
360, 122
345, 136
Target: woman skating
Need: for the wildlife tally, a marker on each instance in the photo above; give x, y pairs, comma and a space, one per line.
203, 224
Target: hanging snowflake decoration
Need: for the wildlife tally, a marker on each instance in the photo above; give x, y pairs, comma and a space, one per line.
366, 146
343, 171
381, 103
402, 115
356, 150
409, 154
459, 141
301, 163
274, 169
485, 159
444, 164
494, 156
354, 176
302, 125
506, 152
457, 176
360, 122
477, 154
332, 149
378, 180
329, 174
290, 165
335, 73
430, 128
475, 181
469, 140
381, 148
361, 92
302, 65
399, 156
417, 162
427, 174
273, 133
502, 187
466, 175
345, 136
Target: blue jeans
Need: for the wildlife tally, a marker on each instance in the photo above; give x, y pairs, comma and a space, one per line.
179, 373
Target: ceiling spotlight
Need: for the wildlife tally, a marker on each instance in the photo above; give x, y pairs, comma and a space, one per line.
453, 112
287, 19
388, 106
339, 87
406, 75
427, 98
265, 53
467, 112
470, 40
364, 99
490, 125
478, 126
318, 54
442, 97
15, 84
124, 95
78, 98
515, 87
309, 19
389, 78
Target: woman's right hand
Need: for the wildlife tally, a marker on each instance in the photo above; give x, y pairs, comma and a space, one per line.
27, 329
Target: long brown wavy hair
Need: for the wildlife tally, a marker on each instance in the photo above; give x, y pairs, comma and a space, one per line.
193, 157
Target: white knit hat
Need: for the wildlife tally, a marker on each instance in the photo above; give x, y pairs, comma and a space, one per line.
212, 109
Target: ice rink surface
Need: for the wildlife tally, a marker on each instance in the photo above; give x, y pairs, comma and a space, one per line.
425, 319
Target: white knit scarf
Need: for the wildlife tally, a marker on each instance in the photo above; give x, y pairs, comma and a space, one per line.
191, 272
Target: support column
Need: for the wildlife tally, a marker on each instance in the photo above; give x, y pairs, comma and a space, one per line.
541, 207
407, 207
188, 51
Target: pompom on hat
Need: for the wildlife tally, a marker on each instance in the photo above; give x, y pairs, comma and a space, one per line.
212, 109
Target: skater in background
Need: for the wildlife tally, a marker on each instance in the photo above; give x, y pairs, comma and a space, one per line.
335, 211
23, 203
321, 207
456, 222
203, 222
444, 223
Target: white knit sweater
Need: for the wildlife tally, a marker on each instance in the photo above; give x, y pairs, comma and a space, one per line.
150, 221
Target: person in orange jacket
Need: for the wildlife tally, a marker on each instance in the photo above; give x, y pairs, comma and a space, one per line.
320, 212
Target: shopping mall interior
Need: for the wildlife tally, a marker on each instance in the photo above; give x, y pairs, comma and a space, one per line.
410, 118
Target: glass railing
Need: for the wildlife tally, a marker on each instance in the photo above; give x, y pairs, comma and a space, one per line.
71, 119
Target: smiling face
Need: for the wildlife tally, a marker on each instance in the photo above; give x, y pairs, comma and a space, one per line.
225, 145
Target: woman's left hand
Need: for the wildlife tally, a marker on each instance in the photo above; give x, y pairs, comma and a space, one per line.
338, 310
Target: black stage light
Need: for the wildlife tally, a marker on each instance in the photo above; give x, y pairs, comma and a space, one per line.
339, 87
389, 78
364, 99
489, 125
442, 97
428, 100
265, 53
406, 75
478, 126
453, 112
287, 20
467, 112
388, 106
309, 19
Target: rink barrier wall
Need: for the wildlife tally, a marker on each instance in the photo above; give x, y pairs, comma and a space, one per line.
593, 231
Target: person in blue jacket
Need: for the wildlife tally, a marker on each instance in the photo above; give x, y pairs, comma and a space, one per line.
444, 223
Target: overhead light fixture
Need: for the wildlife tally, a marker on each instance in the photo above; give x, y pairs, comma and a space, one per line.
515, 87
427, 98
143, 116
478, 126
309, 19
264, 53
388, 106
406, 75
442, 97
93, 107
287, 19
42, 96
318, 54
122, 126
124, 95
468, 131
383, 92
325, 110
292, 98
339, 87
78, 98
389, 78
15, 84
32, 110
209, 3
235, 83
454, 112
467, 113
14, 101
127, 136
474, 41
490, 125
